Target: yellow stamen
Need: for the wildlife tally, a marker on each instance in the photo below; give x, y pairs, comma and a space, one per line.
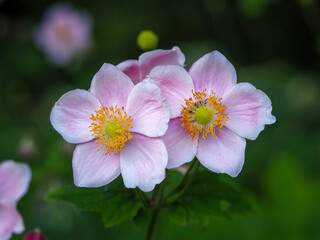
203, 114
110, 127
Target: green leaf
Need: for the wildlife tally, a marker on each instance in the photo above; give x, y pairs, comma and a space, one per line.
206, 197
116, 202
141, 218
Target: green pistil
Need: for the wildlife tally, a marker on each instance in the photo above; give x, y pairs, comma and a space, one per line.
203, 115
111, 129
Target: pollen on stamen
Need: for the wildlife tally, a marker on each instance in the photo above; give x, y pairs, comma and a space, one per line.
110, 127
202, 115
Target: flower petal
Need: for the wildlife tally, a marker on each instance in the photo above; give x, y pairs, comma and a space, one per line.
131, 69
249, 110
175, 84
181, 149
143, 162
222, 154
71, 114
10, 220
214, 72
19, 228
111, 86
14, 180
92, 168
149, 60
148, 110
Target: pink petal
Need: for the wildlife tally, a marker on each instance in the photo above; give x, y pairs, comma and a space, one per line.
149, 60
111, 86
143, 162
148, 110
181, 149
19, 228
175, 84
10, 220
71, 114
249, 110
131, 69
224, 154
14, 180
213, 72
92, 168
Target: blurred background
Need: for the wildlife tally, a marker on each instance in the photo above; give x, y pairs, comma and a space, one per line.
273, 44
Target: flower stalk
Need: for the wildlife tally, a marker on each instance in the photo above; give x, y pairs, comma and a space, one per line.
184, 183
158, 201
143, 198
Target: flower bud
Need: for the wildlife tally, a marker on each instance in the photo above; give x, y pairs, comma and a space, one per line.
34, 235
147, 40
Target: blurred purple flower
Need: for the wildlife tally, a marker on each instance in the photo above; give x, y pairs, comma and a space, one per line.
14, 183
63, 33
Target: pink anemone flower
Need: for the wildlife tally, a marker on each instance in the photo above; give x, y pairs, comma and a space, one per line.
117, 126
14, 183
211, 114
137, 70
63, 33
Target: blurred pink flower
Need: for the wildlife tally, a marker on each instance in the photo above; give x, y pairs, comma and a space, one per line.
211, 114
63, 33
27, 147
34, 235
117, 126
14, 183
137, 70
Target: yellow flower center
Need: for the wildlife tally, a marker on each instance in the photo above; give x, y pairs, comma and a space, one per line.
110, 127
203, 114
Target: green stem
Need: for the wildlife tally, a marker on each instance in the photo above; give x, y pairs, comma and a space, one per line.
153, 219
156, 202
155, 205
185, 177
143, 198
161, 192
184, 183
190, 179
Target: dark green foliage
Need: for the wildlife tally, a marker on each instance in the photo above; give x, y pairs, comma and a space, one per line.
116, 203
206, 197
